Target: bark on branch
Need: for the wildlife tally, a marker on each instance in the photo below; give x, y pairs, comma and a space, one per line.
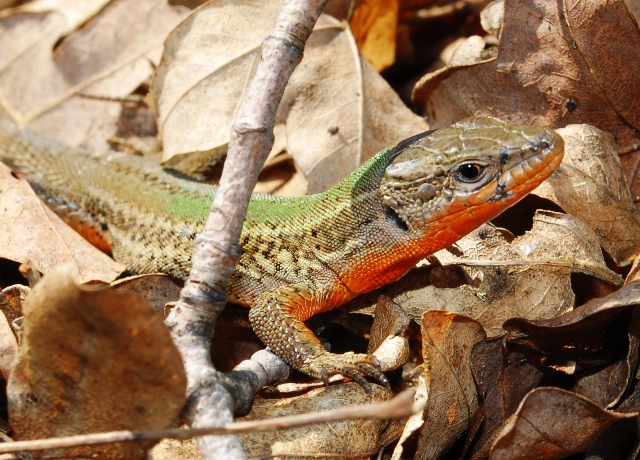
211, 395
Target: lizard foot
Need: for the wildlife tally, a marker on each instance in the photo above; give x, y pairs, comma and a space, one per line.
355, 366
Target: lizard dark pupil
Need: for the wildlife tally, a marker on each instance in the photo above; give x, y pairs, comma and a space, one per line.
469, 171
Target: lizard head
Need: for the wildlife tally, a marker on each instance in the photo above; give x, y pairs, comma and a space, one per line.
453, 180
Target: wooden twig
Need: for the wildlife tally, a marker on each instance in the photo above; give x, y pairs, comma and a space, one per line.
399, 407
212, 397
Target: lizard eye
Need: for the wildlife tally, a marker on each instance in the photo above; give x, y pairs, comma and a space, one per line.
469, 172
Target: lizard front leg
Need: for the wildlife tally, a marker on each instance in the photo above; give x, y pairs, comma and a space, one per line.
277, 319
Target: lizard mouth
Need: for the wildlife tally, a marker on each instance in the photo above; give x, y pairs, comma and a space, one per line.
531, 170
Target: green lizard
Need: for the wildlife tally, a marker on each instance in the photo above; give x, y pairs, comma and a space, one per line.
304, 255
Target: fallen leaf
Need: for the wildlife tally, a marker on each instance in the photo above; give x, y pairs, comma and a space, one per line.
75, 13
336, 108
29, 230
234, 339
555, 66
93, 360
416, 421
11, 301
605, 386
8, 348
593, 337
155, 288
552, 424
447, 342
52, 100
350, 438
590, 185
389, 327
503, 377
556, 240
373, 25
584, 325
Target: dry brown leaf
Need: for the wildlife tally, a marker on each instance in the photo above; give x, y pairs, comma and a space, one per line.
416, 421
606, 386
552, 424
558, 63
336, 108
578, 326
389, 326
11, 301
373, 25
110, 57
7, 3
29, 230
93, 360
350, 438
447, 342
156, 288
9, 297
503, 377
8, 348
556, 240
634, 8
593, 336
492, 17
75, 13
590, 185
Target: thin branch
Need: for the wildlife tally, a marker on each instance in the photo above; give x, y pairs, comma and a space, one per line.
213, 397
401, 406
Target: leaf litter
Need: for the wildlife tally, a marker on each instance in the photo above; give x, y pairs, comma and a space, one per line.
486, 398
92, 360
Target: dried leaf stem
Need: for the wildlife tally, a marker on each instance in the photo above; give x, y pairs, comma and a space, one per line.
211, 395
401, 406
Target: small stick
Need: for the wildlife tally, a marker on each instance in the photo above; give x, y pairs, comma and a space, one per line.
399, 407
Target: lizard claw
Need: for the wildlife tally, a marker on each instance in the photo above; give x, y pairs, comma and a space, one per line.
357, 367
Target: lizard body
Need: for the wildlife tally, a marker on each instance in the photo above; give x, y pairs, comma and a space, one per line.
302, 255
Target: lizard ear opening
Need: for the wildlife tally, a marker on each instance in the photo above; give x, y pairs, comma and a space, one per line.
392, 216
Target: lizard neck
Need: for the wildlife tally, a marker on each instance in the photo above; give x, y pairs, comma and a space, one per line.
367, 244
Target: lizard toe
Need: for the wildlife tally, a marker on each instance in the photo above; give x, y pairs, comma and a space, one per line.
354, 366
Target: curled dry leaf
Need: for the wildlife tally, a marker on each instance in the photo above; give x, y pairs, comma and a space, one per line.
374, 24
413, 424
389, 326
555, 66
336, 108
556, 240
447, 342
503, 377
93, 360
29, 230
552, 424
590, 185
582, 325
51, 100
8, 347
11, 301
157, 289
75, 13
348, 438
593, 336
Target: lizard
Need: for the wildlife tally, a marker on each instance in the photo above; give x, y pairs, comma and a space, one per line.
300, 255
